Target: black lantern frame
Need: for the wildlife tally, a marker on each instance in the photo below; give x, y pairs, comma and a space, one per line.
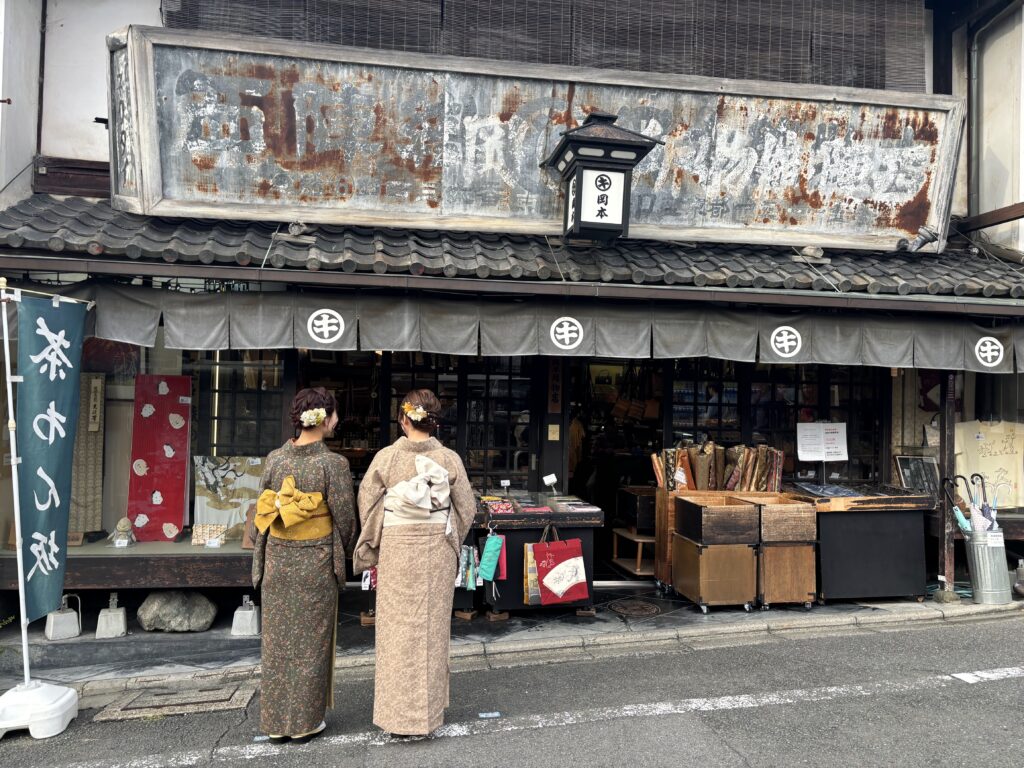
597, 146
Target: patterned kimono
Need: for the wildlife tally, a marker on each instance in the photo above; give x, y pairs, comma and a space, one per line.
307, 517
416, 568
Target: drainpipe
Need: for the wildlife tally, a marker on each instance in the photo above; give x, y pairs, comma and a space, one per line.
974, 150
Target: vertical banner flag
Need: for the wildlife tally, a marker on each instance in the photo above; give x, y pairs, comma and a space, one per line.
49, 353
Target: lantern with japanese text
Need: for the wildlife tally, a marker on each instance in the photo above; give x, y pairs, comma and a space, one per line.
595, 162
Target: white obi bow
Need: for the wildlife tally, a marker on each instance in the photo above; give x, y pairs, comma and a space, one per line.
412, 500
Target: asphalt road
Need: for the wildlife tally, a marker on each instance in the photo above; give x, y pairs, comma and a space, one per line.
844, 698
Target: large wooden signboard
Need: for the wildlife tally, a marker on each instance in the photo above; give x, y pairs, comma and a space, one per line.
232, 127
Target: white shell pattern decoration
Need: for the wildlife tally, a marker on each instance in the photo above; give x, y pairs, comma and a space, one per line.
158, 498
177, 420
140, 467
162, 388
148, 410
168, 451
170, 530
141, 520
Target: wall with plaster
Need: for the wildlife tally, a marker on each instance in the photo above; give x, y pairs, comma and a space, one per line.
20, 22
75, 71
999, 123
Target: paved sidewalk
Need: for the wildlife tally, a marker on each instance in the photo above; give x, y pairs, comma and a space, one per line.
528, 638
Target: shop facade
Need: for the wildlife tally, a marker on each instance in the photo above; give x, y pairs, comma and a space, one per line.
253, 247
538, 378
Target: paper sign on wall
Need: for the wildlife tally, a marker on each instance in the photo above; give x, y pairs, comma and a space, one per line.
821, 442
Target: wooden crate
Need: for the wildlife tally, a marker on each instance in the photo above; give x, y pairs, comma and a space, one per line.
787, 573
720, 574
725, 520
785, 519
665, 524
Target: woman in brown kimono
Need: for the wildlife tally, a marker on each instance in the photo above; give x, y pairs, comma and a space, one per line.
306, 523
415, 506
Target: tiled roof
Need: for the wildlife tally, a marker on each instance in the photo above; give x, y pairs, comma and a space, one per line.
87, 227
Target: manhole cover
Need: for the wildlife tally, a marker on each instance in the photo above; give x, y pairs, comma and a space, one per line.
159, 703
634, 608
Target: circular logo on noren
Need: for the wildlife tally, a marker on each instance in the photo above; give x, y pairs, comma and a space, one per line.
989, 351
786, 341
325, 326
566, 333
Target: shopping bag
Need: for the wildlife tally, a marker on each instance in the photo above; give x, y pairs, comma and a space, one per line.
561, 571
531, 587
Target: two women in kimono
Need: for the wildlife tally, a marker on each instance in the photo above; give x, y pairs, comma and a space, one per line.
415, 506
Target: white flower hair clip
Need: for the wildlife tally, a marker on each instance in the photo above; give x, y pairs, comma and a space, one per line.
313, 417
414, 412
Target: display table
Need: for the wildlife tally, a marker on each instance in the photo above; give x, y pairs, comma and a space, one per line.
147, 565
522, 528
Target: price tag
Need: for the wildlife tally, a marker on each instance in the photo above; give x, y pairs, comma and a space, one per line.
680, 477
506, 483
995, 539
550, 479
214, 543
255, 461
120, 543
184, 401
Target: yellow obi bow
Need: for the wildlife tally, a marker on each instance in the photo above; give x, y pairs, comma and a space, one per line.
292, 514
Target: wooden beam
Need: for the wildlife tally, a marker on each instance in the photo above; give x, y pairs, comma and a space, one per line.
991, 218
947, 466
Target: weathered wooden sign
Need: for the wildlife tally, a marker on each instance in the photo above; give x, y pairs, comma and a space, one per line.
232, 127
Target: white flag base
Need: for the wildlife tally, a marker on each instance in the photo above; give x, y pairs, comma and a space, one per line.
45, 709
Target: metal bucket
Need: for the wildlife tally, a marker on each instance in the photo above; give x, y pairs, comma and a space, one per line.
986, 559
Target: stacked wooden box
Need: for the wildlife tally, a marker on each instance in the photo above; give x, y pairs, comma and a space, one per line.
665, 523
786, 554
714, 550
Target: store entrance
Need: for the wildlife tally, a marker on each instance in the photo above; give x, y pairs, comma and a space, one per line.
615, 424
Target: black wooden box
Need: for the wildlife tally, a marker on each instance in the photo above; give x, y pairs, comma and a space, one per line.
636, 507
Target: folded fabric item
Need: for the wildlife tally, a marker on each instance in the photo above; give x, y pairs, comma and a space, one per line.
500, 507
536, 510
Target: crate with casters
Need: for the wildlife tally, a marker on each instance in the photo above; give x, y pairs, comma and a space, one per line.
786, 573
714, 574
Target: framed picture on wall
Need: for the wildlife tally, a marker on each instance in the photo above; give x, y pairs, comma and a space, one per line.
920, 473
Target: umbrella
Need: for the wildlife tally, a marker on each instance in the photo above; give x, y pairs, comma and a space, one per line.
978, 521
949, 488
978, 480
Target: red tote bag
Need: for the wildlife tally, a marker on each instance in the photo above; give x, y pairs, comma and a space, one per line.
561, 570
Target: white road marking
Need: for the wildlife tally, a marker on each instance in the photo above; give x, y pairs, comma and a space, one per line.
580, 717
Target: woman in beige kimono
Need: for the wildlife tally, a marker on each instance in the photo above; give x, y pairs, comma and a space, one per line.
306, 522
415, 506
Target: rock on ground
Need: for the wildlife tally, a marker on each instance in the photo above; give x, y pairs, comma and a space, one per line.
176, 611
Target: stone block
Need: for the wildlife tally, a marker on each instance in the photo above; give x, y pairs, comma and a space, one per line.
62, 624
113, 622
246, 622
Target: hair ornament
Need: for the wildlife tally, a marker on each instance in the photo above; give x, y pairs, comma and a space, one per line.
414, 412
314, 417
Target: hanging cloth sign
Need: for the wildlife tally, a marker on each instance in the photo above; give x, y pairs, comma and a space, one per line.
49, 353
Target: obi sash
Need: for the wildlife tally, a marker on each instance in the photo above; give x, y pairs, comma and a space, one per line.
293, 514
424, 498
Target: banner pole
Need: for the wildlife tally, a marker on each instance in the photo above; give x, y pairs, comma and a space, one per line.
15, 490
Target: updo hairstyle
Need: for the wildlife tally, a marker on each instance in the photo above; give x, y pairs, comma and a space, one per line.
429, 402
308, 399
